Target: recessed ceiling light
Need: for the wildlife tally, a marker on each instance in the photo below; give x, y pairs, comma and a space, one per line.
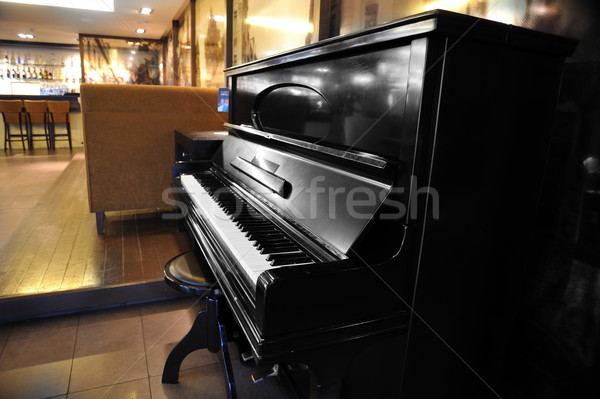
146, 11
95, 5
140, 30
25, 35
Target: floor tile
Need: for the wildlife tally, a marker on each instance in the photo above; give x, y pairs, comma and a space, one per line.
5, 331
39, 342
138, 389
107, 369
202, 382
104, 332
36, 382
186, 302
162, 331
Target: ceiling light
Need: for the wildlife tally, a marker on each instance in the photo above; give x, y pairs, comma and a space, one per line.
25, 35
140, 30
146, 11
94, 5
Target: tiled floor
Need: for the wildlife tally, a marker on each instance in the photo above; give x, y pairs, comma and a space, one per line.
116, 353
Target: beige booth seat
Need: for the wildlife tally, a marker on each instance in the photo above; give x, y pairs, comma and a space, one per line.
128, 138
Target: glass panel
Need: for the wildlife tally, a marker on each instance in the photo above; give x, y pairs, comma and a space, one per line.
168, 72
121, 61
545, 15
358, 15
210, 31
185, 49
262, 29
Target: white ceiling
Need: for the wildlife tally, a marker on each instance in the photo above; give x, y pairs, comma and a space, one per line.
63, 25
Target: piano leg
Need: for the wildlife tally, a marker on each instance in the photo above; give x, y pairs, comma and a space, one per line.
207, 332
226, 363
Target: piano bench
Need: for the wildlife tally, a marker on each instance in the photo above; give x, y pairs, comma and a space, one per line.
190, 274
187, 274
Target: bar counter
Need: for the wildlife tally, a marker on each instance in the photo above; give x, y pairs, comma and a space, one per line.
72, 97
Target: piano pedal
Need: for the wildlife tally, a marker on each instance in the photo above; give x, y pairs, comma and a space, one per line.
261, 375
245, 356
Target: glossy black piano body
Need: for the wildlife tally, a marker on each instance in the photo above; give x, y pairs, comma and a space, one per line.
406, 161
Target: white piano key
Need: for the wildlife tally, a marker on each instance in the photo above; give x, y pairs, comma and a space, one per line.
244, 251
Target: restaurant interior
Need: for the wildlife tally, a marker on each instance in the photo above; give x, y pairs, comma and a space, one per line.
87, 216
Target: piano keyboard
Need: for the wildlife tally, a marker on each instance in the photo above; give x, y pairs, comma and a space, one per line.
255, 242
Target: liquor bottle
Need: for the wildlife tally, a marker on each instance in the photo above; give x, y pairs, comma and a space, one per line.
61, 76
34, 74
18, 58
45, 73
13, 73
28, 73
12, 58
6, 57
2, 73
50, 74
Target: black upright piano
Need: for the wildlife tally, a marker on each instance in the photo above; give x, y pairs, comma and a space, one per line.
369, 215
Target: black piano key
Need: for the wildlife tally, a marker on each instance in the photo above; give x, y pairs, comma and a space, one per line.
252, 222
277, 244
266, 237
282, 260
277, 241
281, 250
259, 229
282, 257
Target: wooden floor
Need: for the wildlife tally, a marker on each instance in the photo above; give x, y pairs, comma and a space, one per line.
55, 247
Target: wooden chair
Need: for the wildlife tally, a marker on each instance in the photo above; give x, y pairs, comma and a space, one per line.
12, 115
37, 114
59, 114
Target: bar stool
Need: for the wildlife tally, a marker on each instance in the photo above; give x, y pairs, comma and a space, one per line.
190, 274
59, 113
37, 114
12, 115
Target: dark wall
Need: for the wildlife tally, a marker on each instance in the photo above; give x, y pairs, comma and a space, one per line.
556, 352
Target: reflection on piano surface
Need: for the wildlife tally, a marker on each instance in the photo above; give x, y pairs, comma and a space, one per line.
369, 213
